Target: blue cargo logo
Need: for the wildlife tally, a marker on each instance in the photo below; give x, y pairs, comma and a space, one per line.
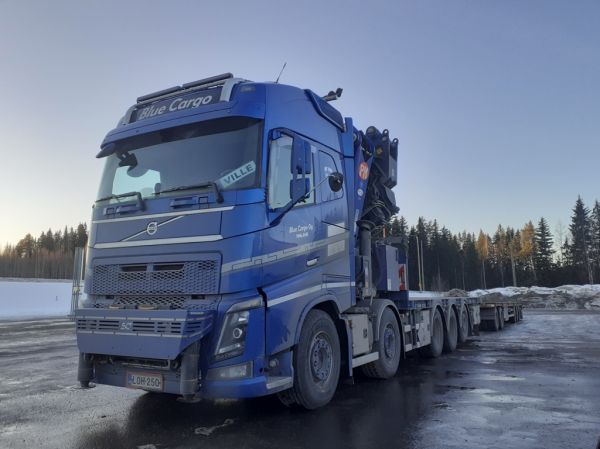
183, 102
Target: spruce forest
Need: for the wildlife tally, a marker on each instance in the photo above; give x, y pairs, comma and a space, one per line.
532, 255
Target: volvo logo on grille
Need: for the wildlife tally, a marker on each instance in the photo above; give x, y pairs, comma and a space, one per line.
152, 228
126, 325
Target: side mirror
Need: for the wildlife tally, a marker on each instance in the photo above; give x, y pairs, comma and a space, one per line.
336, 181
299, 188
301, 157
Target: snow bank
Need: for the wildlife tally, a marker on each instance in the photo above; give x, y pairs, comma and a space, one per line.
563, 297
33, 298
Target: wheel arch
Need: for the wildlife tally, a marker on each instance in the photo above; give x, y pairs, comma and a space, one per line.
378, 306
327, 303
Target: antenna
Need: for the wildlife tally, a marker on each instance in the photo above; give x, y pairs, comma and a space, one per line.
282, 69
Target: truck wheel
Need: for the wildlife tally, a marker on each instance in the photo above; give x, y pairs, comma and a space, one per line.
437, 336
389, 347
501, 318
463, 329
451, 336
316, 362
495, 324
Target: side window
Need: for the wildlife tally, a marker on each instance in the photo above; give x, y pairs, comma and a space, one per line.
328, 166
280, 161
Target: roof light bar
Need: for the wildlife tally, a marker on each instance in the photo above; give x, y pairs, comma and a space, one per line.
159, 93
208, 80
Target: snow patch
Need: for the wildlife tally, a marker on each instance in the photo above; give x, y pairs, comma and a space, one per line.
34, 298
571, 297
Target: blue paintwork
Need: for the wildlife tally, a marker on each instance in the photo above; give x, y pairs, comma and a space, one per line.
243, 221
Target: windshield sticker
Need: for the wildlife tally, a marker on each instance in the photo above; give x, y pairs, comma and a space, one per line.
239, 173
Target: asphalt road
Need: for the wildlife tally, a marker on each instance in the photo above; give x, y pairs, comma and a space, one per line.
534, 385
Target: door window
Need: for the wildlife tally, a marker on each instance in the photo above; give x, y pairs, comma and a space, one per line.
280, 161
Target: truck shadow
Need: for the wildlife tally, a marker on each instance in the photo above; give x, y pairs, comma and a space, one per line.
160, 421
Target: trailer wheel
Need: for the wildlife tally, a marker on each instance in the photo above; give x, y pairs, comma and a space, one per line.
451, 335
501, 318
437, 336
389, 347
463, 329
494, 325
316, 362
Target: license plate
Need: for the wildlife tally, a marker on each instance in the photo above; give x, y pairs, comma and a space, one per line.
145, 381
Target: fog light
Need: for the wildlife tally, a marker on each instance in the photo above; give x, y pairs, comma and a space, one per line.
242, 371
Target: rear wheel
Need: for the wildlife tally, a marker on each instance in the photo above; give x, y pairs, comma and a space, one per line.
316, 363
389, 347
451, 335
494, 325
437, 336
463, 329
501, 317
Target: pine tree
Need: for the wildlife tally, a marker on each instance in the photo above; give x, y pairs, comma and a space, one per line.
484, 252
579, 249
500, 251
595, 239
527, 251
544, 252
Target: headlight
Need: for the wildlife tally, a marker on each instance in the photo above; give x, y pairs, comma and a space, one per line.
232, 341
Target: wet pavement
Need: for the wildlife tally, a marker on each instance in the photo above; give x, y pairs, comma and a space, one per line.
534, 385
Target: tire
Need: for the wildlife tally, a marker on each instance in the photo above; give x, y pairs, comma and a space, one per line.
500, 318
495, 324
437, 336
389, 347
463, 328
316, 363
451, 334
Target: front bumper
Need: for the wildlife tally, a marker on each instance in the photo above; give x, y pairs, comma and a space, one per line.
156, 334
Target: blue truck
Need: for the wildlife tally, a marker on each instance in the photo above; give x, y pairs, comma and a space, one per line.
238, 249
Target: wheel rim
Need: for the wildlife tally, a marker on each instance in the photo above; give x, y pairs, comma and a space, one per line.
321, 357
389, 342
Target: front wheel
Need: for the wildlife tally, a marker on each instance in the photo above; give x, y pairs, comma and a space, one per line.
389, 347
316, 363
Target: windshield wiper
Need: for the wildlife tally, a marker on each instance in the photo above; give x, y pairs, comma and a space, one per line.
138, 195
211, 184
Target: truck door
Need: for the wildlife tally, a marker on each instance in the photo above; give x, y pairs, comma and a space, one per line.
334, 217
293, 272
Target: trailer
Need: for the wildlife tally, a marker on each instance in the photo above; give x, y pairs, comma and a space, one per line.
238, 249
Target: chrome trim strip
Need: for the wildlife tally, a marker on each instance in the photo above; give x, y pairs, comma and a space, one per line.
156, 242
306, 291
282, 254
165, 214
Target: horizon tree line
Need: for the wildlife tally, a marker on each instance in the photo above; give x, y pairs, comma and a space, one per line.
50, 256
509, 257
518, 257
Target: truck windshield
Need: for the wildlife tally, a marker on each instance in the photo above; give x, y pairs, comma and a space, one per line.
224, 151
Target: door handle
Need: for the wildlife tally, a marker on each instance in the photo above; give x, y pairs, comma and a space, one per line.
312, 262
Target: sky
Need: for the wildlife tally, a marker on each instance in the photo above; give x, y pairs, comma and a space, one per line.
496, 104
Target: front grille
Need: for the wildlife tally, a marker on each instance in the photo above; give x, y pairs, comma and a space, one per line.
97, 325
141, 326
195, 277
158, 302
